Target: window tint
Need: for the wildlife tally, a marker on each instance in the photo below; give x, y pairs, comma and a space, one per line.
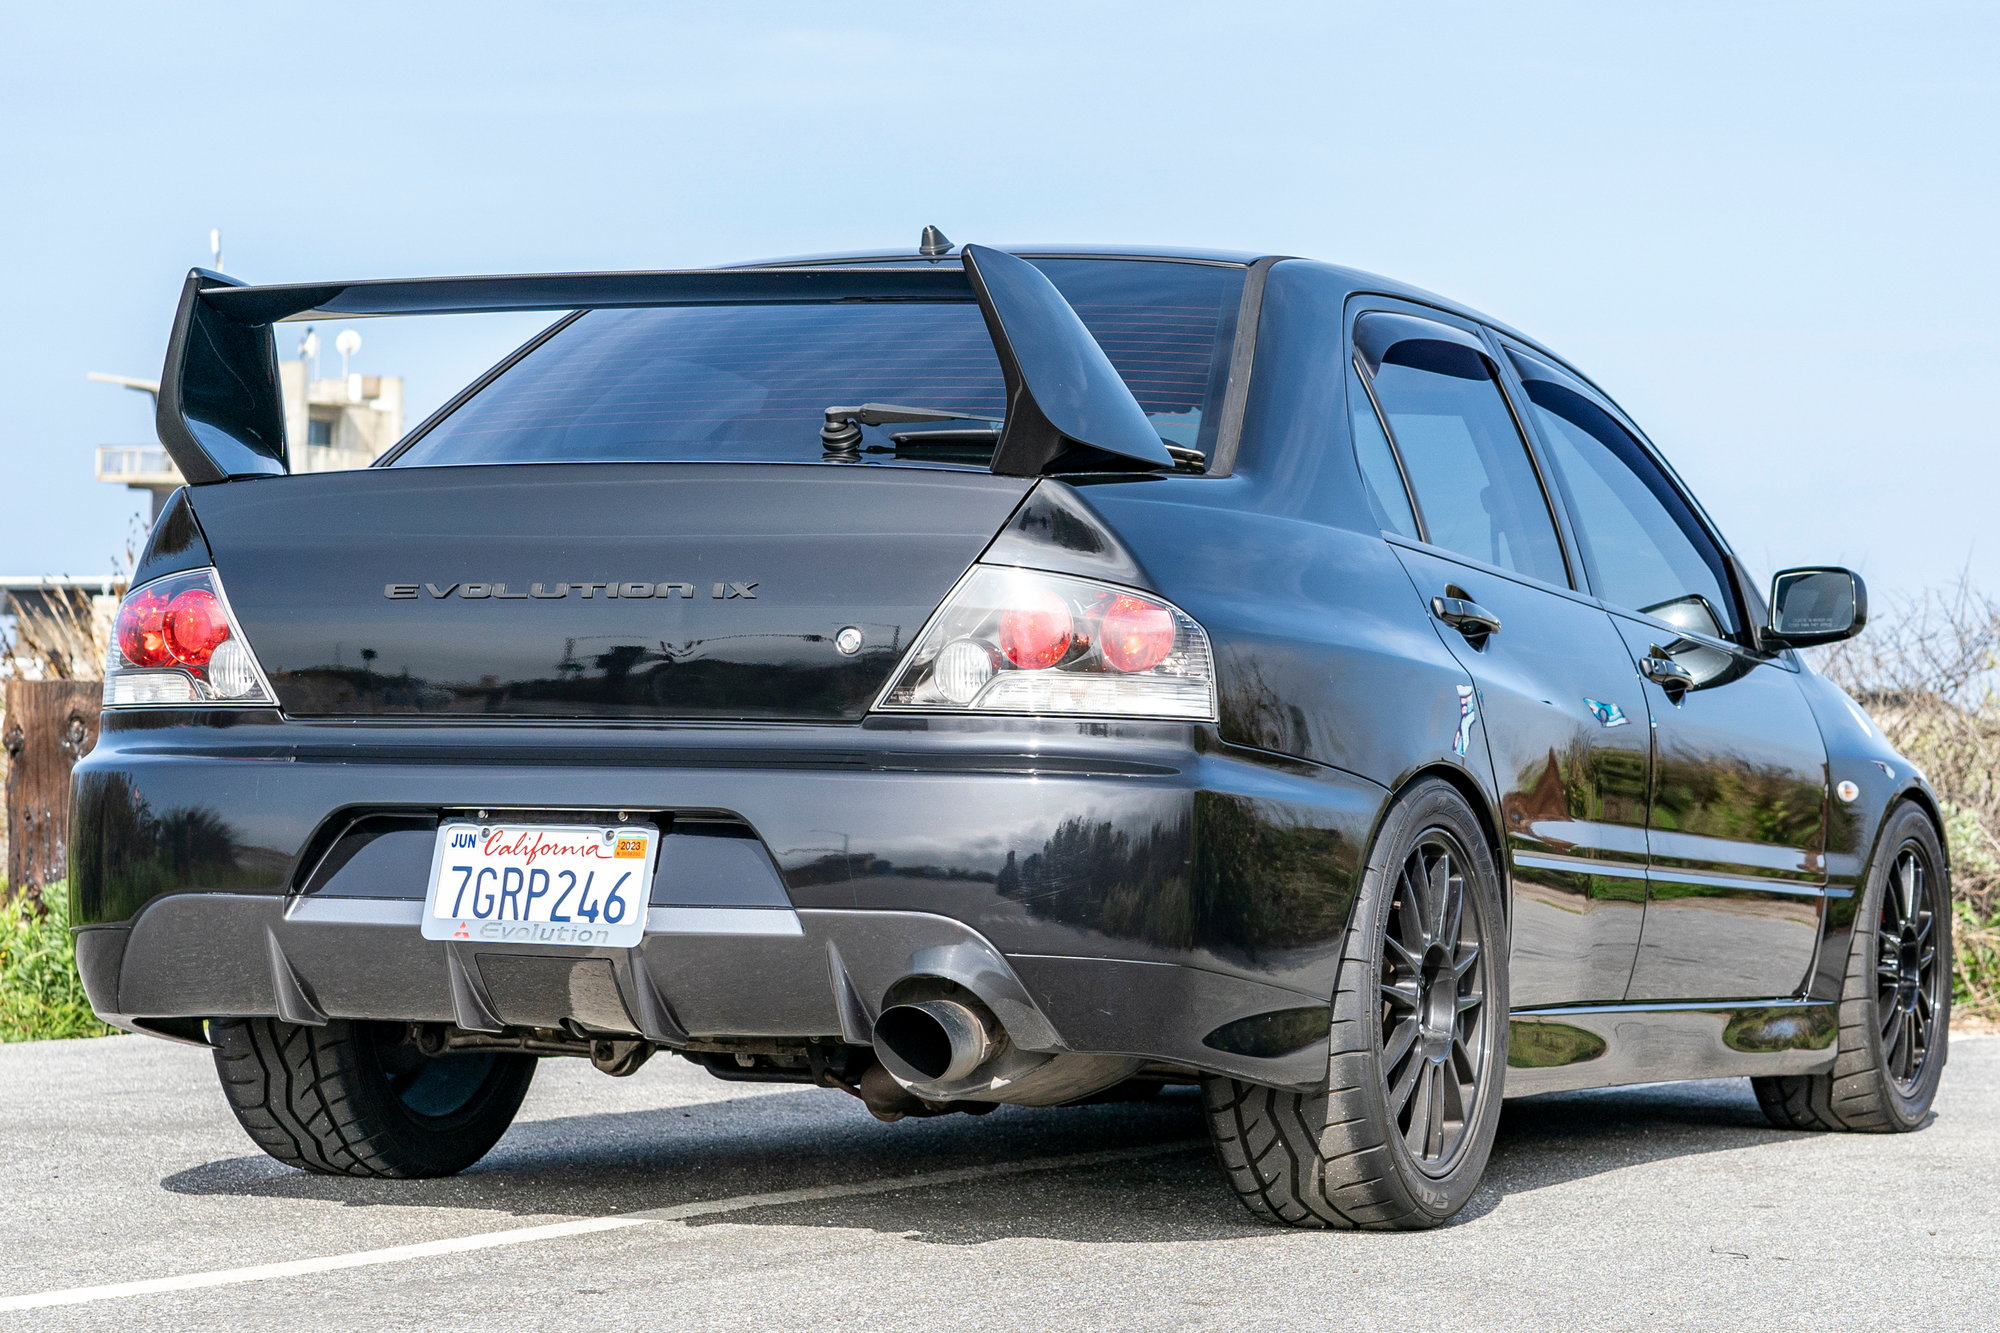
746, 383
1387, 498
1640, 540
1475, 486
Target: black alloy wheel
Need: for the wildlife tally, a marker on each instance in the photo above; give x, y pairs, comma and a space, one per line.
1895, 1001
1399, 1135
436, 1089
1910, 984
1435, 1036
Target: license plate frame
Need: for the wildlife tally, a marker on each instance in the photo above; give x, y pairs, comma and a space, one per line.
531, 900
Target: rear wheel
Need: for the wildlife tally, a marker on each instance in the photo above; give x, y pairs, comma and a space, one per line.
1399, 1137
359, 1099
1895, 1006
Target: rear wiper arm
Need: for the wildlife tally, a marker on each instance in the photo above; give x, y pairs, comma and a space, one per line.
842, 432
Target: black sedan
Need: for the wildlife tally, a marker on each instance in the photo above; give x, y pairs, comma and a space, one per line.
968, 677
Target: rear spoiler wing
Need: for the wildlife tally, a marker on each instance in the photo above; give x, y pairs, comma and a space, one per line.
221, 415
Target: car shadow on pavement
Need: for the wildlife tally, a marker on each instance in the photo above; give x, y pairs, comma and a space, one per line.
632, 1161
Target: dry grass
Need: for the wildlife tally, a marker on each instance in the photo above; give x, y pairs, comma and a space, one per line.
1928, 671
66, 641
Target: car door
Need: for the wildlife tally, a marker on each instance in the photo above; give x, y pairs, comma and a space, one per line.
1557, 698
1737, 815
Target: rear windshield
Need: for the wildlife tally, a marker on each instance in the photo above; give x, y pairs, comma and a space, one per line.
752, 383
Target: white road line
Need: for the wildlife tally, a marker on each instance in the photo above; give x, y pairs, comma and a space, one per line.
397, 1254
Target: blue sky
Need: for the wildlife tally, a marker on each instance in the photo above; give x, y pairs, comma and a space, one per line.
1768, 229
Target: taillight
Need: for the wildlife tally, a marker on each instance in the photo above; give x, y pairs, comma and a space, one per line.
1021, 641
1137, 634
1037, 631
196, 626
142, 629
175, 642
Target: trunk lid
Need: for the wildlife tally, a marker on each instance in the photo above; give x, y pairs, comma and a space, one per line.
594, 590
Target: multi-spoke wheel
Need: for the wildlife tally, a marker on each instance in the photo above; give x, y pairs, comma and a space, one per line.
1399, 1136
1434, 1026
1895, 1008
1909, 985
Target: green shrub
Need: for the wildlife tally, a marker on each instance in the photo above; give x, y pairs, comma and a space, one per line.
1976, 964
41, 995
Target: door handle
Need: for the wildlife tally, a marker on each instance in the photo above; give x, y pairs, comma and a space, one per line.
1466, 616
1668, 674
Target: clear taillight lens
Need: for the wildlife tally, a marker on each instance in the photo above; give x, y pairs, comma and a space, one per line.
1020, 641
175, 642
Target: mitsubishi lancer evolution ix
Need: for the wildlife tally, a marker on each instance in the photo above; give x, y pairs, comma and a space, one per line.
967, 677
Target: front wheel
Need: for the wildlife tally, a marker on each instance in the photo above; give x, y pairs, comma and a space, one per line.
1399, 1137
359, 1099
1895, 1002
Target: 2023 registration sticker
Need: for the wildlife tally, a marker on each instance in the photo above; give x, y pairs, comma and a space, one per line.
574, 884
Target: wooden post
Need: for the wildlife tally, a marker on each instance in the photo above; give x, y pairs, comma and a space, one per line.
48, 725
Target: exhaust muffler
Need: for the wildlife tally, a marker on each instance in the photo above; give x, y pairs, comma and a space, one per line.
934, 1042
943, 1046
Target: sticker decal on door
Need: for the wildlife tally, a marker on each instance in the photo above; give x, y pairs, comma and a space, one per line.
1611, 715
1468, 713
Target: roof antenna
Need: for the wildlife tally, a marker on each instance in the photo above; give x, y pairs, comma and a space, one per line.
933, 243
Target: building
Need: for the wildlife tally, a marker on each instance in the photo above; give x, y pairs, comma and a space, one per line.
331, 425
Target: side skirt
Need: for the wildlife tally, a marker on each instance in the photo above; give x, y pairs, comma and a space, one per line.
1603, 1046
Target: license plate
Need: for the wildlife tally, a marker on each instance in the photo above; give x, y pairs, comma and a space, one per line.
580, 884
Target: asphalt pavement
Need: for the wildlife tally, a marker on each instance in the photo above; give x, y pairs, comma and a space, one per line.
669, 1200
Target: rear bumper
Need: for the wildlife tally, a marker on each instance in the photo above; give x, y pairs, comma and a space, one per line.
700, 974
1129, 888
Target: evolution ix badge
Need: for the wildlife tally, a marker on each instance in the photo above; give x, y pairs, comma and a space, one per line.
410, 592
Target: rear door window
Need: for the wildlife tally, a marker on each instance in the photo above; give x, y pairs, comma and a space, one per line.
1476, 488
750, 383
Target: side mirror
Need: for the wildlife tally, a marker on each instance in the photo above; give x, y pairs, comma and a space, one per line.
1814, 606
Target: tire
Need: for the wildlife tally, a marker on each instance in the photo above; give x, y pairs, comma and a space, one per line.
1895, 1002
358, 1099
1419, 1028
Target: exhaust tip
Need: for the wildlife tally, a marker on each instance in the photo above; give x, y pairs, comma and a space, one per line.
933, 1041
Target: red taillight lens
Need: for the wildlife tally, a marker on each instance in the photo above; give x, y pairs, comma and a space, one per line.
1025, 641
195, 626
1035, 628
142, 635
175, 646
1135, 635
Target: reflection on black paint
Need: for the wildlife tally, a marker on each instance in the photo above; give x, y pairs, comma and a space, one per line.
1253, 713
1720, 795
123, 852
1784, 1028
1095, 874
1542, 1044
692, 678
1579, 782
1268, 1036
1259, 879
